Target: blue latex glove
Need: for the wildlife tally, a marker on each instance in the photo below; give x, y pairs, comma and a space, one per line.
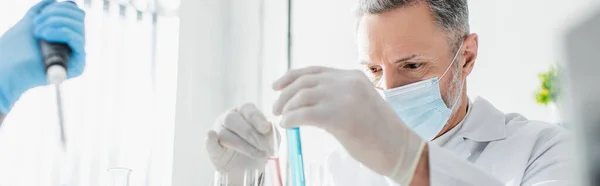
21, 65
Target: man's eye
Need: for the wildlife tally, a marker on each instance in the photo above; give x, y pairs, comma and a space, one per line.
412, 65
374, 70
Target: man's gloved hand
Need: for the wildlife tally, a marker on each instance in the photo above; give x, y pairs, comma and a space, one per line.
346, 104
21, 65
241, 139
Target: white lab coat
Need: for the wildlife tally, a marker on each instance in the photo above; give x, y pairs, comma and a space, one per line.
490, 148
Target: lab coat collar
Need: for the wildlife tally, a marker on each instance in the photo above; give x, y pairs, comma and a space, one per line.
484, 123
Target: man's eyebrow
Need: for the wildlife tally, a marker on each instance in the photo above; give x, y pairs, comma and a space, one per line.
364, 62
406, 58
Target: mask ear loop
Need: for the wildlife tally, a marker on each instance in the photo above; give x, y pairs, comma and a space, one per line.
452, 62
379, 83
453, 59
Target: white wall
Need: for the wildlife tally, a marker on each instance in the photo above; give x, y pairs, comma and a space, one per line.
518, 40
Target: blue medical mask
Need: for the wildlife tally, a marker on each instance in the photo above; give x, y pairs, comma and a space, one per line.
420, 105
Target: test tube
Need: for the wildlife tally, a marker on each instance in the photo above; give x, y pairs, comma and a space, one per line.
296, 160
273, 165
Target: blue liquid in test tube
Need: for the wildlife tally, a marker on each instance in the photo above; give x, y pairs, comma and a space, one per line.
295, 157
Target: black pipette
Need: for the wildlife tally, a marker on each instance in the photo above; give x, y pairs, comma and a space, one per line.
56, 56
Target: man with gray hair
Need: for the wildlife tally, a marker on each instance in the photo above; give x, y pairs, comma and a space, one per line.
409, 120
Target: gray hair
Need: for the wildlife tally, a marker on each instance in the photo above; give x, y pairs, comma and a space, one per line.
451, 15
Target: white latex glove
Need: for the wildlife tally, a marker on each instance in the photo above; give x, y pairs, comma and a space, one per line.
346, 104
241, 139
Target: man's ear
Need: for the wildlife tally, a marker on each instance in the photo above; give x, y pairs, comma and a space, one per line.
471, 46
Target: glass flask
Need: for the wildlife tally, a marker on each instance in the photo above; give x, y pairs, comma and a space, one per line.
251, 177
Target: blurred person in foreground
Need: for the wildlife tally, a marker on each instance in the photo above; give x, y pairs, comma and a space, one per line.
21, 65
408, 120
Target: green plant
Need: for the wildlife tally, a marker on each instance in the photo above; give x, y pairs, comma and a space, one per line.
548, 91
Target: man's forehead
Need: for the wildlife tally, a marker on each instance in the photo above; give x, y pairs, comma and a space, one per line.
405, 31
397, 47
